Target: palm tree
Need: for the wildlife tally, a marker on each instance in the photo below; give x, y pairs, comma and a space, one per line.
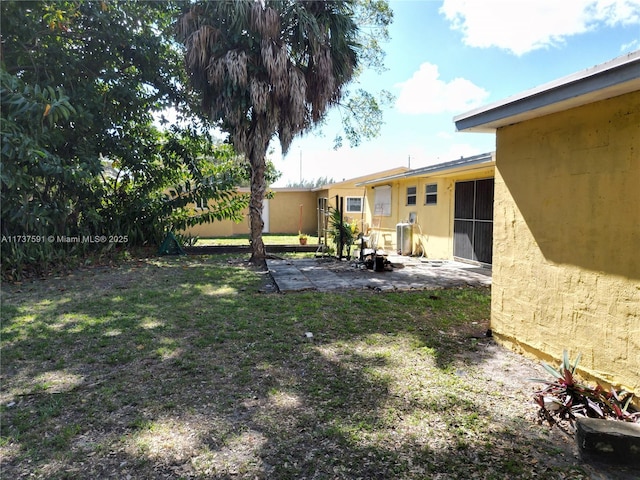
267, 68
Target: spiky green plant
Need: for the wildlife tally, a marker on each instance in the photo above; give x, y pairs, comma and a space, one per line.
566, 398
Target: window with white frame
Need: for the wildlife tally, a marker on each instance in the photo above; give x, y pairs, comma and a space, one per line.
431, 194
354, 204
412, 195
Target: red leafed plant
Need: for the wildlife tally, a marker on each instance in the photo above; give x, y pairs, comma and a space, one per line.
565, 398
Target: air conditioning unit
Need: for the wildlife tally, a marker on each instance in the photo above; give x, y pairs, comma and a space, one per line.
404, 238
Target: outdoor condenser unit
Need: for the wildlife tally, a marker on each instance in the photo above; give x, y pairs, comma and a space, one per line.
404, 238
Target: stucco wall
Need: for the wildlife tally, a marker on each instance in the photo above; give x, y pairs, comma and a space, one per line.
566, 271
359, 218
433, 231
284, 209
384, 226
223, 228
284, 215
284, 212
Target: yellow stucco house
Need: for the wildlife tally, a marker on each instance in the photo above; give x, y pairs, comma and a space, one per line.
566, 241
442, 211
292, 209
281, 214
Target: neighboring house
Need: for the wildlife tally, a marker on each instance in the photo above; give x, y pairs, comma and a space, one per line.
566, 258
442, 211
280, 213
292, 209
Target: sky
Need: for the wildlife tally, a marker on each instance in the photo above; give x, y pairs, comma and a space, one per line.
446, 57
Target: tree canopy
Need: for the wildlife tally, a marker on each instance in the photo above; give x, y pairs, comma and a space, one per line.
81, 85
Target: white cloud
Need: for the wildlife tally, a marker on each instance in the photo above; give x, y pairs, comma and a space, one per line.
445, 135
425, 92
631, 46
526, 25
613, 12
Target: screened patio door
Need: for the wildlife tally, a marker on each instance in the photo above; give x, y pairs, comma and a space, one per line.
473, 221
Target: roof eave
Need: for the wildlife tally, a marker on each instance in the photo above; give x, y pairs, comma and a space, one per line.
616, 77
484, 159
358, 180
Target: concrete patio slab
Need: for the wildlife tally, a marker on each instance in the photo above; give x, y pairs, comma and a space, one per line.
406, 273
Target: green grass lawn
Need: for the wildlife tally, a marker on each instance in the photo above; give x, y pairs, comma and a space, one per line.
179, 367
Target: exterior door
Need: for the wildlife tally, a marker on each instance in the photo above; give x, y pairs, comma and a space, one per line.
473, 221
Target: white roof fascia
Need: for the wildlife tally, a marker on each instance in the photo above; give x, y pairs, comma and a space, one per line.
334, 185
431, 170
615, 77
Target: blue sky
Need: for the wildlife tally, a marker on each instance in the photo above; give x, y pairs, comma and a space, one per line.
447, 57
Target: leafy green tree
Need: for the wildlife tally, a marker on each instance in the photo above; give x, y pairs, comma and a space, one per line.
183, 168
81, 151
40, 190
273, 68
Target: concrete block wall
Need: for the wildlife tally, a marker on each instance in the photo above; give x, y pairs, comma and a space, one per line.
566, 271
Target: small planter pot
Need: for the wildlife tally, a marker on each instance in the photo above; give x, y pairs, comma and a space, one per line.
303, 240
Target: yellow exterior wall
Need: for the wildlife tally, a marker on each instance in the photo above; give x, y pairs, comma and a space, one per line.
284, 214
223, 228
433, 231
566, 258
348, 188
284, 209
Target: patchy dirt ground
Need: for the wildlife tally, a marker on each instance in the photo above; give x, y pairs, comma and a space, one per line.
511, 374
178, 368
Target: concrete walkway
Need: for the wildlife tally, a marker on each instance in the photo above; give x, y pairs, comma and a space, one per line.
328, 274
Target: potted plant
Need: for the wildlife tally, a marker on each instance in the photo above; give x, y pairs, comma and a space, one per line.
302, 237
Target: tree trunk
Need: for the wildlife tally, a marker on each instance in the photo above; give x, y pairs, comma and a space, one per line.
258, 190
